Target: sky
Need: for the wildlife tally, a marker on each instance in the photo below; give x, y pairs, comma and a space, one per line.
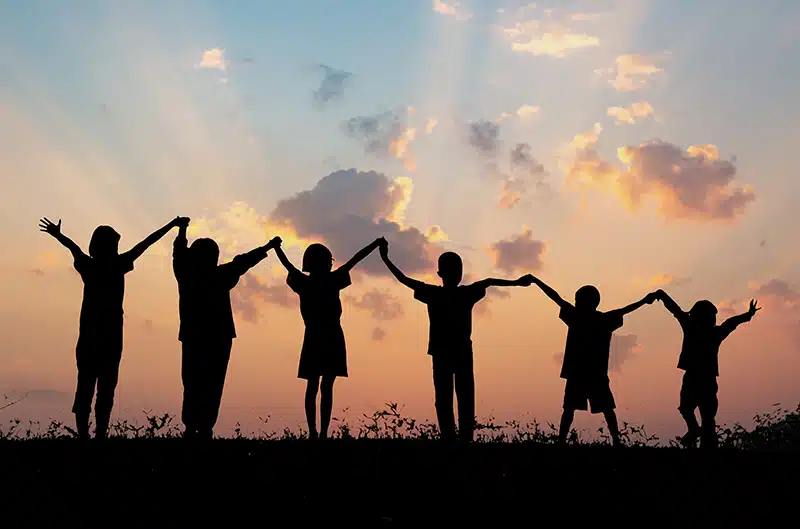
632, 145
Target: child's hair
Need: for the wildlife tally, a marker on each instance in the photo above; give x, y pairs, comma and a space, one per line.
317, 258
451, 266
587, 297
704, 312
205, 252
104, 242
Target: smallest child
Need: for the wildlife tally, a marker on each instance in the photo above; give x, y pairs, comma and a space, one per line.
699, 359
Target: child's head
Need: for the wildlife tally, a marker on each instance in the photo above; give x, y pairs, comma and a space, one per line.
317, 258
104, 243
587, 298
451, 268
205, 253
704, 313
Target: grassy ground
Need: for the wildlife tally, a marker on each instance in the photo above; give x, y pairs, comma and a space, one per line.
384, 477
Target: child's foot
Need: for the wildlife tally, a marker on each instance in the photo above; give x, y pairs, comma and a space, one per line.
690, 439
313, 436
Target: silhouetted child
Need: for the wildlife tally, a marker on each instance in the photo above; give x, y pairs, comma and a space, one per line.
450, 338
99, 348
324, 354
207, 329
699, 359
586, 355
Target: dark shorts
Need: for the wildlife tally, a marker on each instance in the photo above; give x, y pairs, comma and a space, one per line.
699, 391
579, 394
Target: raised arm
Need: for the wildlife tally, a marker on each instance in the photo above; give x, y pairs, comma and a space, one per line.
136, 252
647, 300
360, 255
670, 304
523, 281
54, 230
276, 243
407, 281
244, 262
729, 325
552, 294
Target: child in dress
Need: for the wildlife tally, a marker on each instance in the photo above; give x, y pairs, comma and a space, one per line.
324, 355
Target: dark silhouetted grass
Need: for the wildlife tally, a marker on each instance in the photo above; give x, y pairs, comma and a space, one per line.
390, 470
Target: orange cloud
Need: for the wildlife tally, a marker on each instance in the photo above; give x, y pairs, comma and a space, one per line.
664, 280
213, 58
453, 9
632, 72
691, 184
631, 113
549, 35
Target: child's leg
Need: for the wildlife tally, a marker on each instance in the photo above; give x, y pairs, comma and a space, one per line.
106, 387
567, 416
601, 399
687, 406
214, 374
613, 425
708, 417
312, 387
84, 393
326, 404
189, 377
575, 398
465, 393
443, 395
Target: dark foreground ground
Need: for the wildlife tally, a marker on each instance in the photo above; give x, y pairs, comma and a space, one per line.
388, 483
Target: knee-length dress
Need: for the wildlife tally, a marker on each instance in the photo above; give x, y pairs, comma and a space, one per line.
324, 352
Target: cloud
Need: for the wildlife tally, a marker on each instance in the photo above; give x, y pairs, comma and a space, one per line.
631, 113
664, 280
435, 234
378, 334
691, 184
349, 209
623, 348
38, 271
430, 124
385, 134
484, 136
252, 292
632, 72
551, 35
527, 110
213, 58
526, 172
148, 324
332, 85
380, 303
777, 288
454, 9
483, 308
519, 253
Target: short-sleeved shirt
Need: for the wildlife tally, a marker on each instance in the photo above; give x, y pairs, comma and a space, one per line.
320, 304
700, 349
103, 289
588, 342
450, 314
205, 298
